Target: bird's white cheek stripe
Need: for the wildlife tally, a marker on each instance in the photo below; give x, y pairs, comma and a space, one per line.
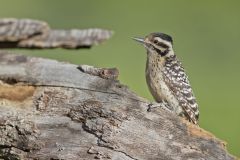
163, 41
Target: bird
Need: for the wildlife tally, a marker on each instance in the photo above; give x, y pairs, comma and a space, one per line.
166, 78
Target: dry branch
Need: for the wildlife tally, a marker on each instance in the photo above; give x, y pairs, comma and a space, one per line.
52, 110
27, 33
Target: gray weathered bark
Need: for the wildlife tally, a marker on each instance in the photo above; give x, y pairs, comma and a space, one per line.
27, 33
52, 110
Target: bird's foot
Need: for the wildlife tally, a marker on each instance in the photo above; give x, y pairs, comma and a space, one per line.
153, 106
164, 105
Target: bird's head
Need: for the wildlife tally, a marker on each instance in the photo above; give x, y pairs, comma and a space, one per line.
157, 43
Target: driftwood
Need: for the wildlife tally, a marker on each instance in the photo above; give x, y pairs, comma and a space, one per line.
52, 110
27, 33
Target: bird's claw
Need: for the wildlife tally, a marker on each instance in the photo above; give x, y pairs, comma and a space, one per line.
163, 105
152, 106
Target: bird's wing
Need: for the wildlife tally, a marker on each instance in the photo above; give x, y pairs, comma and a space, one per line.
177, 80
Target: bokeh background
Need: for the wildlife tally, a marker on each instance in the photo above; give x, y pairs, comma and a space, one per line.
206, 39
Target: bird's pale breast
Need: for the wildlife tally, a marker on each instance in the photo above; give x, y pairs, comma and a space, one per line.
158, 87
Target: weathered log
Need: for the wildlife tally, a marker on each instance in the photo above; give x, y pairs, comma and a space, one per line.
27, 33
52, 110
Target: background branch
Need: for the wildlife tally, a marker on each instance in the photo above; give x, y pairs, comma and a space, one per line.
27, 33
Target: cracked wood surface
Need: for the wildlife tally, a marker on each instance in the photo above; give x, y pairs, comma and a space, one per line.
52, 110
28, 33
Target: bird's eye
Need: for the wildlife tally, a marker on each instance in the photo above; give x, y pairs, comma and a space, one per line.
155, 41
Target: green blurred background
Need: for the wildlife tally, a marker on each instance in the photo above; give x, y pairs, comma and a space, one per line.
206, 39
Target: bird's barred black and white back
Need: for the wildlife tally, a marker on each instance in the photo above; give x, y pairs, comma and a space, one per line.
177, 80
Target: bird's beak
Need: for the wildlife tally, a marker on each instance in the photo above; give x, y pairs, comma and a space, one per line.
140, 40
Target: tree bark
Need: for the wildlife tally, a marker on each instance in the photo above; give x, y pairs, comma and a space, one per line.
28, 33
52, 110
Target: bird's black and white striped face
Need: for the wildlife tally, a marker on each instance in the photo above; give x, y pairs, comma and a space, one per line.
159, 43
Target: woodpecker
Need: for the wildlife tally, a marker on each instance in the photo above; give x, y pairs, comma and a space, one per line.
166, 77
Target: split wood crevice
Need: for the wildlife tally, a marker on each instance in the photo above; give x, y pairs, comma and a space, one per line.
52, 110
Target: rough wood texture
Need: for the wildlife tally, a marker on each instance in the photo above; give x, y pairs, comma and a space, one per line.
52, 110
27, 33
